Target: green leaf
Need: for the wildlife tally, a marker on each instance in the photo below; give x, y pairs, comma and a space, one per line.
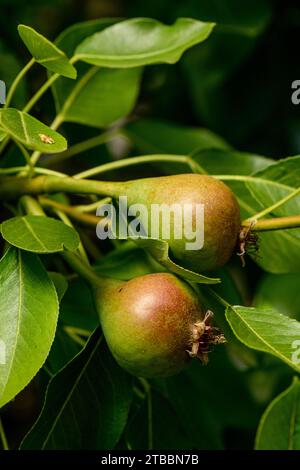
63, 350
78, 308
28, 312
279, 428
223, 377
267, 331
116, 90
142, 41
60, 283
285, 171
30, 132
90, 398
184, 396
100, 97
159, 429
159, 250
46, 53
39, 234
154, 136
69, 39
280, 250
126, 262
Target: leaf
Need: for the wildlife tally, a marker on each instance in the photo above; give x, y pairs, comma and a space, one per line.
89, 398
28, 312
63, 350
60, 283
101, 97
159, 250
279, 428
285, 171
142, 41
162, 425
126, 262
39, 234
69, 39
30, 132
267, 331
190, 410
280, 250
46, 53
116, 90
78, 308
223, 378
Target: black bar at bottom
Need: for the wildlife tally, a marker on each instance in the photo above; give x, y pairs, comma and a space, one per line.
136, 459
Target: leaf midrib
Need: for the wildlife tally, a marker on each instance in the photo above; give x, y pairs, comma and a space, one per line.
20, 298
50, 59
24, 127
29, 227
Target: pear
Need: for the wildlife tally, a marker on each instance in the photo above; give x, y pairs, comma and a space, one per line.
221, 215
154, 324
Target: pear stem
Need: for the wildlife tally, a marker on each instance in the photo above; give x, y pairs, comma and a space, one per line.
274, 223
14, 187
81, 217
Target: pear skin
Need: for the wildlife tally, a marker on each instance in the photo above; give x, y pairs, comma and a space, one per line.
149, 323
221, 215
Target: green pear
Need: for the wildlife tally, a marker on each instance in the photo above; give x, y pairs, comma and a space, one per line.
153, 324
221, 215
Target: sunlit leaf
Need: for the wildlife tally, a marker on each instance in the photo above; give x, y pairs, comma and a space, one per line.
142, 41
46, 53
39, 234
31, 132
28, 312
267, 331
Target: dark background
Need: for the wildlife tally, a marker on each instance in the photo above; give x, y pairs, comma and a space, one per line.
237, 84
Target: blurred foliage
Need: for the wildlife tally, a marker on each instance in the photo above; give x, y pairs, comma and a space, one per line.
232, 92
246, 64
